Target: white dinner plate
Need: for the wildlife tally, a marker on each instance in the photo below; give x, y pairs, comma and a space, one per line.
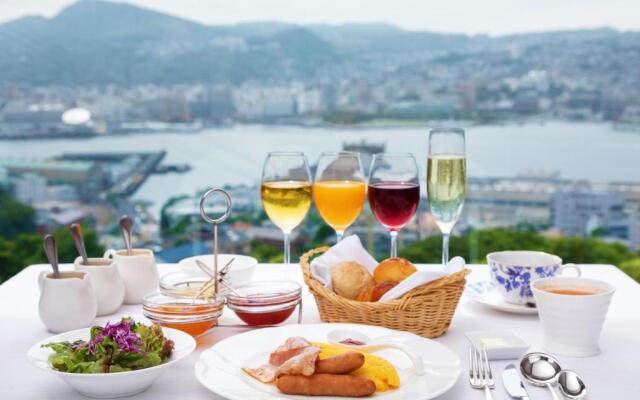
485, 293
113, 385
219, 367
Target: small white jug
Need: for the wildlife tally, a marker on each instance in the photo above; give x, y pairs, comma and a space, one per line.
106, 282
138, 271
68, 302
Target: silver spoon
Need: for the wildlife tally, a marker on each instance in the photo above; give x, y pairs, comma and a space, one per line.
571, 386
126, 227
541, 369
78, 239
51, 250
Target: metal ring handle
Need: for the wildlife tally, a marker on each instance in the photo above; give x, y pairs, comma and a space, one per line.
224, 215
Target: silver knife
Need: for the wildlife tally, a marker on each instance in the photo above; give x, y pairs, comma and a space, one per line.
513, 383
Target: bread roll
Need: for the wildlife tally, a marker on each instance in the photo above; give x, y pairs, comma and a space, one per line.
350, 278
374, 293
394, 270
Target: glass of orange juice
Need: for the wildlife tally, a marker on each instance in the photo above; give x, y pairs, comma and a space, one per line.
339, 189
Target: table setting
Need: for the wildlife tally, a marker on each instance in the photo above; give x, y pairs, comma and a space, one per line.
338, 324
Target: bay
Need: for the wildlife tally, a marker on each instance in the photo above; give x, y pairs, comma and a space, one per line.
233, 155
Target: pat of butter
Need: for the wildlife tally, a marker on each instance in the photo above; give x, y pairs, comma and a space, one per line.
494, 343
500, 345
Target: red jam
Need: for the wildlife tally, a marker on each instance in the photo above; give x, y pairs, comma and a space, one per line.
265, 303
265, 318
352, 342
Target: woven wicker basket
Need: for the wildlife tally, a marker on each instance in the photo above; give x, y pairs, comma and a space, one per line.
426, 310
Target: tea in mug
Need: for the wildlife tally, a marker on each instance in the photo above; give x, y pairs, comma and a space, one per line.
571, 291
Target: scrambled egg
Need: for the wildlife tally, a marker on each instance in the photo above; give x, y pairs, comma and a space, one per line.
379, 370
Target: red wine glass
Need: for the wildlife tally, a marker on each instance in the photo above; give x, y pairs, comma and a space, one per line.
394, 192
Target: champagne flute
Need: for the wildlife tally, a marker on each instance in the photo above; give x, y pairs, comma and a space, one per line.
286, 192
446, 180
339, 189
394, 192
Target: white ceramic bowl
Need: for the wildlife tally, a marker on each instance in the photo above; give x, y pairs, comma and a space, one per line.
113, 385
240, 271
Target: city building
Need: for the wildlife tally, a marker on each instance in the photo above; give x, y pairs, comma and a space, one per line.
30, 188
87, 177
580, 210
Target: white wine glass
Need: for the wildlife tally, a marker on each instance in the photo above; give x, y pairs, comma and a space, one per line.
446, 180
286, 192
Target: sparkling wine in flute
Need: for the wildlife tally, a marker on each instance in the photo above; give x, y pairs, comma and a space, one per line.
286, 203
446, 186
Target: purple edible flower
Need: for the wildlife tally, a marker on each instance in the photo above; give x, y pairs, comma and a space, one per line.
120, 333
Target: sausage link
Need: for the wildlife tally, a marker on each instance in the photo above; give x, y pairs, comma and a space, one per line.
326, 385
340, 364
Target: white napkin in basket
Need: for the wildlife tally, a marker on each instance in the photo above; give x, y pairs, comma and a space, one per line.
423, 276
351, 249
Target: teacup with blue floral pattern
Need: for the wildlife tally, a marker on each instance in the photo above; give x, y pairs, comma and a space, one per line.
513, 271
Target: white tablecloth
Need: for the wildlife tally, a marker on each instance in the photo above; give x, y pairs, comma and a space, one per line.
613, 375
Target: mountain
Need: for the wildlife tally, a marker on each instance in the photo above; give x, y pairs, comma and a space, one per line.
99, 42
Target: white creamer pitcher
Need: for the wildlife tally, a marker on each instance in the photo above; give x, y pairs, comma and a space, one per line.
68, 302
106, 281
138, 271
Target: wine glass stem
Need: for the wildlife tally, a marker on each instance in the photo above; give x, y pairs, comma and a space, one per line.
339, 235
445, 248
287, 248
394, 243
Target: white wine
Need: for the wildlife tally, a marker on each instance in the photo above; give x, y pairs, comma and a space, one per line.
286, 202
446, 188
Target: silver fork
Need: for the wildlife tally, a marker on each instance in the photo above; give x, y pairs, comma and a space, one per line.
480, 375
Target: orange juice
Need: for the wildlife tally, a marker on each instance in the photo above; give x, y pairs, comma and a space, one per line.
339, 202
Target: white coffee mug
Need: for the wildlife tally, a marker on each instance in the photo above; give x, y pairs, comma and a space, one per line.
68, 302
572, 322
138, 271
106, 282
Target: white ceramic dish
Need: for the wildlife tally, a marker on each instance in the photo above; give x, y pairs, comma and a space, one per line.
499, 345
119, 384
239, 273
485, 293
219, 367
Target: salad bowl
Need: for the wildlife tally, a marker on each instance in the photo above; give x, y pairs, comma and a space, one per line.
114, 384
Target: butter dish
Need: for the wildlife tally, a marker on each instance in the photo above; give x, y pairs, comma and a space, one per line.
499, 345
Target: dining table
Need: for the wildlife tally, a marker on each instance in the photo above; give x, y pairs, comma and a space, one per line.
610, 375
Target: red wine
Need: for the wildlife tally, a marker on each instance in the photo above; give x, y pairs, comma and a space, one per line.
394, 203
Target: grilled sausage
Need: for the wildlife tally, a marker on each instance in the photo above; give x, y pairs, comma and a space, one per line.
326, 385
340, 364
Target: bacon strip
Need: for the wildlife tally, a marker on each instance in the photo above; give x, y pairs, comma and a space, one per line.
291, 347
303, 363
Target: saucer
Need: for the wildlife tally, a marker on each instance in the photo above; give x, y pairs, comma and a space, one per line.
485, 293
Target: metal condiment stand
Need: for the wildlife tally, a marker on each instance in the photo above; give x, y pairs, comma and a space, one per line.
215, 222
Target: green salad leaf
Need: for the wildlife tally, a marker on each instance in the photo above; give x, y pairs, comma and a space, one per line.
124, 346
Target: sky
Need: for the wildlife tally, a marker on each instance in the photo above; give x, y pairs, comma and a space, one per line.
493, 17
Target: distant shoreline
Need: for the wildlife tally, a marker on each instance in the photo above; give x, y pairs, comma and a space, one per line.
376, 123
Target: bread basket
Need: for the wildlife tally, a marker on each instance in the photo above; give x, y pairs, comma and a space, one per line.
426, 310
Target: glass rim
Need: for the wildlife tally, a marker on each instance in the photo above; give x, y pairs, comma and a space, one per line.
338, 153
443, 129
394, 155
286, 153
